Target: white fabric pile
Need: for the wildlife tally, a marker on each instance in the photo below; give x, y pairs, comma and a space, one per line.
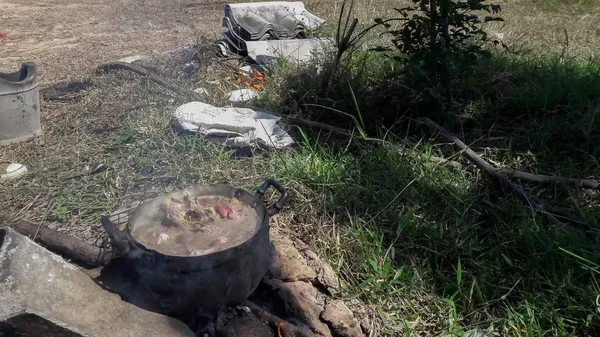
236, 127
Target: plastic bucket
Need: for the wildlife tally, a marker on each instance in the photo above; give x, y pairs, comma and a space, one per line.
19, 105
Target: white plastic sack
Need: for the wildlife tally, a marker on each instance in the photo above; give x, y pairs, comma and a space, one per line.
237, 127
242, 95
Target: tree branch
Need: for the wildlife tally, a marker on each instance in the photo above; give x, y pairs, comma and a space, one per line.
118, 65
526, 176
494, 173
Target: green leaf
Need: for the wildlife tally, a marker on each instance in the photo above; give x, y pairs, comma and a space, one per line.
507, 260
374, 265
458, 274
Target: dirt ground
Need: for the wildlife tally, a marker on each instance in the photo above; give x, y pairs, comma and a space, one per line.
67, 38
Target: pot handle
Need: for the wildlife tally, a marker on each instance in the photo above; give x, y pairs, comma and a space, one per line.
117, 238
276, 207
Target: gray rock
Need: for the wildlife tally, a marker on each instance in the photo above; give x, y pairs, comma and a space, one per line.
43, 295
341, 320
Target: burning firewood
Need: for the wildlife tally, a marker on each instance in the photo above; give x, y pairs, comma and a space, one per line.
65, 244
284, 329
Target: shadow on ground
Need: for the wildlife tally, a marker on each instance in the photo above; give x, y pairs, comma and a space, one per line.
545, 109
456, 234
468, 240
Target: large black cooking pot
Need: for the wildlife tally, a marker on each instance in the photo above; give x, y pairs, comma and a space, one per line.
202, 286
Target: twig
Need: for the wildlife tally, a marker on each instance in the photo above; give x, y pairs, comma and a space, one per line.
567, 214
24, 209
287, 329
493, 172
559, 213
547, 179
296, 120
48, 208
88, 172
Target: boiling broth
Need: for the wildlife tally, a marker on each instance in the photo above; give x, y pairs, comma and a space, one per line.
199, 226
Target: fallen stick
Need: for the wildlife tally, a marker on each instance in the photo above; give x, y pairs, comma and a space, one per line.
531, 177
88, 172
526, 176
494, 173
65, 244
296, 120
547, 179
286, 329
118, 65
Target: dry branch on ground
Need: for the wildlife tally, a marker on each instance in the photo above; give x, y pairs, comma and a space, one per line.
495, 173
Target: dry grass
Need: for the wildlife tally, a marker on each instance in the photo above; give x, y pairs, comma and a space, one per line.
68, 39
534, 26
102, 126
529, 24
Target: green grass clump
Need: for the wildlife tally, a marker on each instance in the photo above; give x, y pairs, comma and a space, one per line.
408, 224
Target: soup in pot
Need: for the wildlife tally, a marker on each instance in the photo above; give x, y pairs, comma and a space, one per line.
200, 225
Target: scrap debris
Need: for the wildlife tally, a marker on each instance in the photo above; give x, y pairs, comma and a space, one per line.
242, 95
254, 80
235, 127
12, 170
265, 31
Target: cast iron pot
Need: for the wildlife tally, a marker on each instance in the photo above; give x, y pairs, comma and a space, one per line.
202, 286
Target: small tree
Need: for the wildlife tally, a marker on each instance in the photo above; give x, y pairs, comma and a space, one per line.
439, 40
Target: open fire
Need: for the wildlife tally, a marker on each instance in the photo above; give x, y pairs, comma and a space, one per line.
268, 285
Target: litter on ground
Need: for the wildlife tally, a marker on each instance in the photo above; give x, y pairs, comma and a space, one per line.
235, 127
242, 95
265, 31
12, 171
